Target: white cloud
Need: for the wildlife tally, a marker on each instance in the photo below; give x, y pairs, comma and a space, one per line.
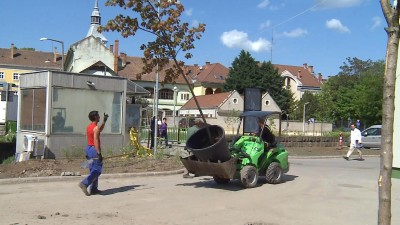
335, 24
188, 12
376, 22
265, 25
240, 40
263, 4
328, 4
295, 33
195, 23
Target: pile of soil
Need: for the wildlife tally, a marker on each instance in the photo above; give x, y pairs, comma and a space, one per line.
51, 167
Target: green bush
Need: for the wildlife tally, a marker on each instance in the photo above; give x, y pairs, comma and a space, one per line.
8, 138
9, 160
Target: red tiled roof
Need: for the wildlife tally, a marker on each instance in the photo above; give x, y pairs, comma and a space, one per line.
206, 101
30, 59
209, 73
303, 74
213, 73
134, 66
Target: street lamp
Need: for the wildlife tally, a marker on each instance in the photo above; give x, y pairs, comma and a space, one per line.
156, 97
62, 46
175, 98
304, 116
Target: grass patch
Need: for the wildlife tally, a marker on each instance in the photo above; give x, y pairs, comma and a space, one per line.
8, 160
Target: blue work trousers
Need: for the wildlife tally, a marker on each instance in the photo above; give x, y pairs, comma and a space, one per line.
95, 168
164, 135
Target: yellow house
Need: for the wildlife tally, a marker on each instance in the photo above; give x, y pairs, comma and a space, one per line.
13, 62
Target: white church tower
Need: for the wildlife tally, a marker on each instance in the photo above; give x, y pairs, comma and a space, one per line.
95, 23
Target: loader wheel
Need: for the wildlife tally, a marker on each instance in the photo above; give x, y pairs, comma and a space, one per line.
274, 173
249, 176
221, 180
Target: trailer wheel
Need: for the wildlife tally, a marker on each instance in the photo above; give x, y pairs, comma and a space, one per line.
221, 180
274, 173
249, 176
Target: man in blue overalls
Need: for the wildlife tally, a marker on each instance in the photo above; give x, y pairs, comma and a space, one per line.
93, 153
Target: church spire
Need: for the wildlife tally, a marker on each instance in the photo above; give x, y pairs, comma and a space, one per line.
95, 22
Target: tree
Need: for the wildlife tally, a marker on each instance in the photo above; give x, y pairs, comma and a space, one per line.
368, 92
172, 36
391, 14
246, 72
355, 93
312, 106
242, 73
355, 66
162, 19
272, 83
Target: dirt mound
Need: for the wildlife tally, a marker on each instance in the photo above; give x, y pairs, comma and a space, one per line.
51, 167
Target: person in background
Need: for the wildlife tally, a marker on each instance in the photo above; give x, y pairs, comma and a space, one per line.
198, 124
355, 142
152, 126
93, 153
164, 131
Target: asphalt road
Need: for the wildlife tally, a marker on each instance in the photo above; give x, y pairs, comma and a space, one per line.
315, 191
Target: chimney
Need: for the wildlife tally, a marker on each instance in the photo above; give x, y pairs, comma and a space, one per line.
112, 48
123, 58
12, 50
208, 63
55, 55
299, 74
116, 57
305, 65
311, 69
320, 77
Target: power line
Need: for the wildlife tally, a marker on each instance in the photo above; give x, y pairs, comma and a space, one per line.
297, 15
291, 18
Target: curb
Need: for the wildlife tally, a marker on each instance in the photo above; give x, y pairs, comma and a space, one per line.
78, 178
326, 157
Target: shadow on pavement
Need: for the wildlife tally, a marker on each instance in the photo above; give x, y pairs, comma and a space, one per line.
233, 185
285, 178
119, 189
206, 182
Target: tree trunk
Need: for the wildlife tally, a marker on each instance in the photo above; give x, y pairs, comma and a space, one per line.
384, 182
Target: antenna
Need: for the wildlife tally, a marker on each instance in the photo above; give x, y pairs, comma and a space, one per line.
272, 42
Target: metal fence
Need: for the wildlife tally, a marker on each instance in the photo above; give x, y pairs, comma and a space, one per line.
175, 135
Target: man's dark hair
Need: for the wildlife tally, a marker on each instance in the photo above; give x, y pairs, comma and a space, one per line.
92, 115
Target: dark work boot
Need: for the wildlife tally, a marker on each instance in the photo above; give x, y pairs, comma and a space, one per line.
84, 188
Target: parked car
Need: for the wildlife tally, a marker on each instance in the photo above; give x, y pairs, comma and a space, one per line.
370, 137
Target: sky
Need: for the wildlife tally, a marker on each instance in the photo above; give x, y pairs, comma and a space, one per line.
321, 33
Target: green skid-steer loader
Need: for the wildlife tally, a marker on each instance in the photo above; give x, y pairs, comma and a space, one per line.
255, 152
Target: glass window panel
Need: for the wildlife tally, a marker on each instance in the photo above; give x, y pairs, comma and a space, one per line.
33, 109
70, 109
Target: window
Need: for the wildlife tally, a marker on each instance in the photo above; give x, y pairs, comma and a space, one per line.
1, 75
185, 97
33, 109
235, 101
15, 76
373, 131
166, 94
70, 104
267, 102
